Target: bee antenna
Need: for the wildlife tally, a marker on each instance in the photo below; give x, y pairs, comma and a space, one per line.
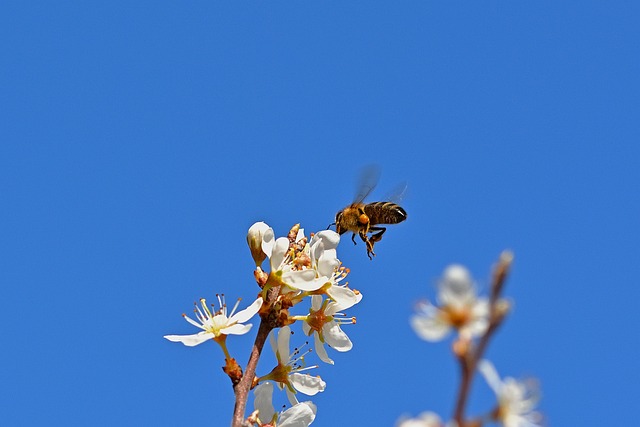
333, 223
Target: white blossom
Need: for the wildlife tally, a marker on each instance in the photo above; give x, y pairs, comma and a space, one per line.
516, 399
216, 324
254, 240
288, 373
324, 322
299, 415
425, 419
458, 308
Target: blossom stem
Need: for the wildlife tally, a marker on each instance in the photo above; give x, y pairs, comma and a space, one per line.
469, 359
242, 388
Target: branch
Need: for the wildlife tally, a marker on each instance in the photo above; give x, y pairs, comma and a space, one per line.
242, 388
469, 356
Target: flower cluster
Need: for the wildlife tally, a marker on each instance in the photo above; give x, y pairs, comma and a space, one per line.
300, 268
475, 319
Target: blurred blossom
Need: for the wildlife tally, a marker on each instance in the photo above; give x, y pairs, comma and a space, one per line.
288, 373
216, 324
299, 415
426, 419
516, 399
458, 308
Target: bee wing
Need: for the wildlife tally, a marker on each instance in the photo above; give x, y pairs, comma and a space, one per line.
397, 194
368, 180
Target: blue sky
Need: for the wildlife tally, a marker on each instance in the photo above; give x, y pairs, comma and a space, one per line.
141, 140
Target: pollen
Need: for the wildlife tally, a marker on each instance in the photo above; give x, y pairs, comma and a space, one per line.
456, 317
316, 320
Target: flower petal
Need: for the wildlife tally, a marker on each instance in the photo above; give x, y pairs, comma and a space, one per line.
426, 419
328, 263
306, 328
316, 302
246, 314
237, 329
263, 401
300, 415
429, 328
274, 344
278, 253
268, 241
456, 288
320, 350
344, 296
283, 343
307, 384
336, 338
490, 375
330, 238
291, 396
190, 340
305, 280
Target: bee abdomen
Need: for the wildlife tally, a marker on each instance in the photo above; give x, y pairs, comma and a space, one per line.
385, 213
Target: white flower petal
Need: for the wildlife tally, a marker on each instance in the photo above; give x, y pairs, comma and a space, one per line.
305, 280
456, 288
426, 419
429, 328
475, 328
268, 241
329, 238
300, 415
190, 340
490, 375
316, 302
480, 308
336, 338
246, 314
345, 297
320, 350
278, 253
291, 396
328, 263
306, 328
237, 329
283, 343
263, 401
307, 384
254, 240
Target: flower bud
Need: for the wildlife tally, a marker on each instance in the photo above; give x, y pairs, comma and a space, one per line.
254, 239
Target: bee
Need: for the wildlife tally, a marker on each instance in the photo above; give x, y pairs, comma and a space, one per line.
363, 218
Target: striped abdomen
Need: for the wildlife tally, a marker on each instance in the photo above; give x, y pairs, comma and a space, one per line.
384, 213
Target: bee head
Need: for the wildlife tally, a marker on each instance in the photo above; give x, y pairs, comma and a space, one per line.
339, 229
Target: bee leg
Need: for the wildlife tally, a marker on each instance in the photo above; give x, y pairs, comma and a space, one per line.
368, 242
370, 249
376, 237
353, 238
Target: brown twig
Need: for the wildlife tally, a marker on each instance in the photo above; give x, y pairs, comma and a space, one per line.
242, 388
470, 356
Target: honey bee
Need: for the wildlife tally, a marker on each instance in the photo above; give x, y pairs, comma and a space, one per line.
363, 218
